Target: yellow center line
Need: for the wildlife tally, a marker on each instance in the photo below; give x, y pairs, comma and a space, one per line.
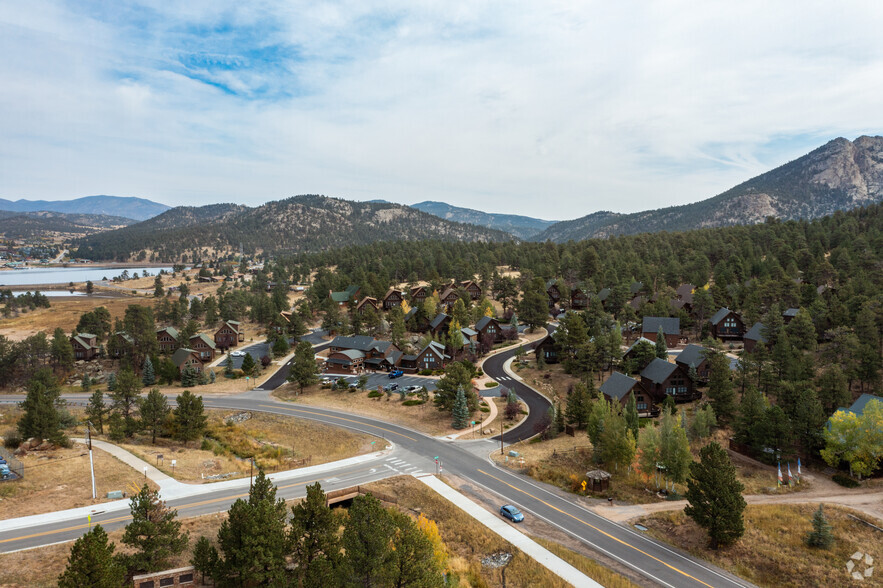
322, 414
618, 540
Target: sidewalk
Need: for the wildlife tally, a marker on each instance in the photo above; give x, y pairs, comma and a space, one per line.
498, 525
491, 416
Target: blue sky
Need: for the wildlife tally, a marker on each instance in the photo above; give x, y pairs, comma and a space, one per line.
550, 109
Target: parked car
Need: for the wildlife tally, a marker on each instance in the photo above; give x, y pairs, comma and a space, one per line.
354, 385
391, 387
510, 512
237, 354
396, 373
412, 388
325, 381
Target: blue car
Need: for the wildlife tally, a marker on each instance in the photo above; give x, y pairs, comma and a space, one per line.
512, 513
396, 373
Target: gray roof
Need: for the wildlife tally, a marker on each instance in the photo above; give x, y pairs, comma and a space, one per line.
436, 348
639, 339
685, 292
352, 353
603, 294
409, 357
670, 326
618, 385
755, 333
411, 313
360, 342
858, 406
439, 319
791, 312
658, 370
692, 355
720, 315
483, 322
181, 355
468, 332
394, 357
635, 287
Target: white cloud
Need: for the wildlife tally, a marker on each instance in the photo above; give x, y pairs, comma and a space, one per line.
549, 109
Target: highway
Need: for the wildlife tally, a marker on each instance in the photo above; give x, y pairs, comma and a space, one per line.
414, 452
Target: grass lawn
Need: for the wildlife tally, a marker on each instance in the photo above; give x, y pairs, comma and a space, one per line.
772, 552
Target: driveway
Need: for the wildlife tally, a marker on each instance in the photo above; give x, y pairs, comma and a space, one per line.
382, 379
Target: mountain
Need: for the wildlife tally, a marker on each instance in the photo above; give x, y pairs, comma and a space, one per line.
298, 224
23, 225
126, 207
839, 175
523, 227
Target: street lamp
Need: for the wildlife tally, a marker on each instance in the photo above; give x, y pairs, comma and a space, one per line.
91, 463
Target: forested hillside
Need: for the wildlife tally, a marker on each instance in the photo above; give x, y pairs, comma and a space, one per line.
301, 223
523, 227
121, 206
23, 225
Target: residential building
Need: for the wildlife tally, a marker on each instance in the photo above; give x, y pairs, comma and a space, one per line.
85, 346
619, 387
168, 339
432, 357
661, 378
366, 303
727, 325
553, 292
549, 349
204, 346
473, 289
229, 335
754, 336
184, 358
440, 324
488, 327
345, 298
392, 299
694, 356
789, 315
671, 328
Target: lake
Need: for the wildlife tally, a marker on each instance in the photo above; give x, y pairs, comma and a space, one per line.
65, 275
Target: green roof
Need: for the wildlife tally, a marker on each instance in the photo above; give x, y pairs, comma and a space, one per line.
171, 331
205, 339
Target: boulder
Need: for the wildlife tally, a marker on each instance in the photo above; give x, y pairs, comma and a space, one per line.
20, 452
45, 446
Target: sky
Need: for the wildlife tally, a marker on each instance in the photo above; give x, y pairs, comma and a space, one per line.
549, 109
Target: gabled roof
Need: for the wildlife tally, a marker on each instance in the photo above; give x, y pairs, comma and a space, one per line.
233, 325
448, 291
755, 333
381, 346
366, 300
604, 294
685, 292
639, 339
670, 326
467, 283
340, 296
692, 355
360, 342
390, 292
551, 283
410, 313
435, 348
468, 332
484, 322
181, 355
125, 336
171, 331
858, 406
416, 289
438, 320
635, 287
87, 336
791, 312
658, 370
83, 341
394, 357
618, 385
352, 353
720, 315
204, 338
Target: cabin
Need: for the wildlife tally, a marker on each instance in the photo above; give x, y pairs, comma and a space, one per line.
345, 298
488, 327
346, 361
85, 346
473, 289
469, 335
168, 339
553, 292
671, 328
375, 354
754, 336
185, 358
418, 295
694, 356
727, 325
683, 299
449, 297
789, 315
204, 346
579, 299
229, 335
548, 349
392, 299
661, 378
620, 387
431, 357
440, 324
366, 303
635, 288
122, 341
631, 351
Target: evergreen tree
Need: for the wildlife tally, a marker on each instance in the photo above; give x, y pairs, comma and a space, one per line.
41, 419
631, 416
96, 410
248, 364
703, 423
62, 351
533, 309
461, 411
190, 377
125, 398
211, 376
720, 386
458, 375
154, 533
821, 535
111, 381
559, 418
228, 366
751, 411
148, 375
313, 539
154, 411
599, 412
280, 346
304, 370
201, 378
367, 542
674, 449
86, 383
190, 419
617, 443
661, 348
578, 406
92, 563
714, 494
205, 558
413, 562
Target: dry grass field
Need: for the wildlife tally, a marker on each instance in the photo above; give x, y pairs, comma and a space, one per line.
64, 313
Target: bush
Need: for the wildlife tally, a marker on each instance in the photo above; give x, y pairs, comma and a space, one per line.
374, 394
491, 384
412, 402
484, 409
11, 439
845, 481
425, 372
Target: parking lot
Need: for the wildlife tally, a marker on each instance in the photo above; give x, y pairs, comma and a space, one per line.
382, 379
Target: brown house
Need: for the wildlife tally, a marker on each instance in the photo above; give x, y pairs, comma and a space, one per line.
85, 346
418, 295
449, 297
168, 338
229, 335
366, 303
753, 337
347, 361
661, 378
186, 358
440, 324
694, 356
122, 341
203, 346
432, 357
671, 328
619, 388
553, 292
392, 299
727, 325
579, 299
473, 289
488, 327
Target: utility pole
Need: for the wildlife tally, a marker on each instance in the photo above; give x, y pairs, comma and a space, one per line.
91, 463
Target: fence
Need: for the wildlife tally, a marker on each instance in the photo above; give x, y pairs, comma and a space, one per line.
16, 468
336, 496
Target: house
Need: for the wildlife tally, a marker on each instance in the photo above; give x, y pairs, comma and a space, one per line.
185, 358
579, 299
548, 348
553, 292
754, 336
122, 341
637, 302
346, 361
683, 298
204, 346
372, 353
440, 324
345, 297
671, 328
858, 407
366, 303
431, 357
488, 327
410, 314
789, 315
473, 289
661, 378
449, 297
392, 299
727, 325
603, 295
469, 335
635, 288
168, 339
229, 335
418, 295
694, 356
630, 352
85, 346
619, 387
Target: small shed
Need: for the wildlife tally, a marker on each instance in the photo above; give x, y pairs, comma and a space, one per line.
598, 480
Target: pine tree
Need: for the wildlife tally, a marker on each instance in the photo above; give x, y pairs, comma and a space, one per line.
366, 540
111, 381
41, 419
703, 422
96, 410
228, 366
460, 411
62, 352
559, 418
92, 563
211, 376
86, 383
154, 533
125, 399
313, 539
154, 411
248, 365
714, 495
821, 535
190, 419
205, 558
201, 378
190, 377
303, 366
148, 375
578, 406
413, 562
631, 416
661, 348
599, 411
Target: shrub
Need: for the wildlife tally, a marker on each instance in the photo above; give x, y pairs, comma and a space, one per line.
484, 409
491, 384
845, 481
374, 394
11, 439
412, 402
425, 372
